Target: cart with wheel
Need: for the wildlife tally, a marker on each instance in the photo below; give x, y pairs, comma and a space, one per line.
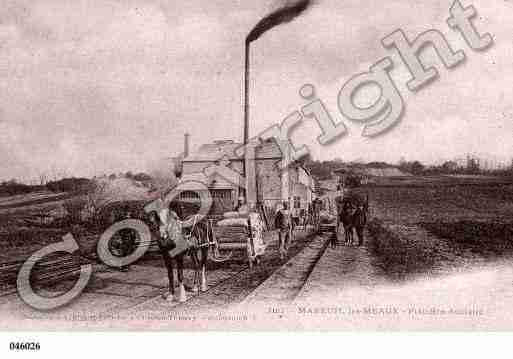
238, 233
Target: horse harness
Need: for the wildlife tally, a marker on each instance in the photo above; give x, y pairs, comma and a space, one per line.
172, 237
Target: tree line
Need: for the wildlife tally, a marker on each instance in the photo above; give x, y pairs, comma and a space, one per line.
323, 170
78, 185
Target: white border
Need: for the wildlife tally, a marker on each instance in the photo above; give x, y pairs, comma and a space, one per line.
312, 345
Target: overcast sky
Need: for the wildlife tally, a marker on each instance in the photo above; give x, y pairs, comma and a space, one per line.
88, 87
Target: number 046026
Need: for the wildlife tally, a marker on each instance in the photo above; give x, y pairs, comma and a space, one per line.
25, 346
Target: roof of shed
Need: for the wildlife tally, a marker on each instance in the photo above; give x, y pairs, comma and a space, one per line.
198, 181
231, 150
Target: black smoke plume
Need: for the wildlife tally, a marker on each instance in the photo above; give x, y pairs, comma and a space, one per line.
280, 16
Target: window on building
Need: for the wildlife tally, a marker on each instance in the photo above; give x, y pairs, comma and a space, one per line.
221, 194
189, 196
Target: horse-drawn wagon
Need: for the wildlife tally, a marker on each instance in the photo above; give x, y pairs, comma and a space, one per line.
238, 231
328, 213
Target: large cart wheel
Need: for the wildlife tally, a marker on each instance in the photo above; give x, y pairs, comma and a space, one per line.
214, 253
123, 243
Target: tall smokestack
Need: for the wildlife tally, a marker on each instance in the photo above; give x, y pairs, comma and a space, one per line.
246, 94
283, 15
186, 145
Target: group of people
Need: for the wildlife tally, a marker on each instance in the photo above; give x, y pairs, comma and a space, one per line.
353, 212
353, 217
166, 228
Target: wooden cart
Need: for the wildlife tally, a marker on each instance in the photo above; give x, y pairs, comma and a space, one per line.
244, 234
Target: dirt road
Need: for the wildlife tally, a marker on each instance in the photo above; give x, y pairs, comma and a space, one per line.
345, 291
132, 299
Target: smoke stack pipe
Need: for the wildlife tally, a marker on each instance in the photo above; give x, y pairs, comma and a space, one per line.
283, 15
185, 145
246, 94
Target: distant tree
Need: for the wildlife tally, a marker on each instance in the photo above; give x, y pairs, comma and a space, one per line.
321, 170
449, 167
379, 165
417, 168
473, 166
97, 198
74, 208
142, 177
75, 185
12, 187
43, 179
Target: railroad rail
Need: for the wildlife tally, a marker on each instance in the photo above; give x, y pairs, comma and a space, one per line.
53, 268
49, 270
58, 267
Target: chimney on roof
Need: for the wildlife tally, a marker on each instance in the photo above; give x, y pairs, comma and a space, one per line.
186, 145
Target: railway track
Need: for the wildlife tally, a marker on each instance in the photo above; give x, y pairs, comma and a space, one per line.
240, 286
58, 267
53, 268
49, 270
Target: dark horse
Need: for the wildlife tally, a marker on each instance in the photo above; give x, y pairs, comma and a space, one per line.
192, 242
354, 217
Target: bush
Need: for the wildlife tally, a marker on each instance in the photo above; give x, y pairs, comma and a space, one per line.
489, 240
142, 177
74, 207
12, 188
75, 185
118, 211
401, 255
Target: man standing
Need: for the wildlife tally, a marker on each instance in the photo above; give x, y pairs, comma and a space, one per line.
283, 223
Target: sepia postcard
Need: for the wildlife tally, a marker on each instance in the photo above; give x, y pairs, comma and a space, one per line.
271, 165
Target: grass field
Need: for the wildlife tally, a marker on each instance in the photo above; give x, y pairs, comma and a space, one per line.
423, 226
419, 224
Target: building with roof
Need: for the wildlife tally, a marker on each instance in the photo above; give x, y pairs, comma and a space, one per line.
219, 166
367, 173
